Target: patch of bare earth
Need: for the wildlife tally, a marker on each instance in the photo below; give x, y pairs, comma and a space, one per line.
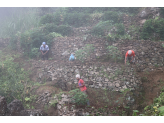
152, 84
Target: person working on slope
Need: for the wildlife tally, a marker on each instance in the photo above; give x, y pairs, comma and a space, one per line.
71, 58
44, 50
130, 54
82, 86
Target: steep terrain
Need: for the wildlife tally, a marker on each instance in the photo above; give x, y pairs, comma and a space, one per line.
113, 87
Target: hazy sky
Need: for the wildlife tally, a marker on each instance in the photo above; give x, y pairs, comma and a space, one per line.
5, 11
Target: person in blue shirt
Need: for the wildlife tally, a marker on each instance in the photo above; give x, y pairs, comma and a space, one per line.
71, 58
44, 50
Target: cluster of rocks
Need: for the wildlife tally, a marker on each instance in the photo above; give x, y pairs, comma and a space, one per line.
113, 77
149, 56
145, 14
63, 47
15, 108
149, 11
44, 98
81, 30
64, 109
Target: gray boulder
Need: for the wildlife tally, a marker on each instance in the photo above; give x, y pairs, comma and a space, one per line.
15, 107
3, 106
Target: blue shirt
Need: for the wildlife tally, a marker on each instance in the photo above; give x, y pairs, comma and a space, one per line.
44, 48
71, 58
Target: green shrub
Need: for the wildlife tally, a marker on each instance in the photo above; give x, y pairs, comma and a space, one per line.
76, 19
57, 18
119, 33
32, 39
81, 54
49, 27
12, 77
111, 15
64, 30
35, 52
78, 97
100, 28
114, 53
153, 29
48, 18
120, 29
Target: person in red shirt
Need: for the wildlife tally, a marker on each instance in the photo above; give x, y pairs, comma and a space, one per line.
81, 85
130, 54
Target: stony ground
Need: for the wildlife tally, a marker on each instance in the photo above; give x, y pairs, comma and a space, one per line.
58, 75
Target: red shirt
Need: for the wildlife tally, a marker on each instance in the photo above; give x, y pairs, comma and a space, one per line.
127, 55
80, 84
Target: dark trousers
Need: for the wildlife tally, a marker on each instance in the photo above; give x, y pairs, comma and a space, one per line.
45, 56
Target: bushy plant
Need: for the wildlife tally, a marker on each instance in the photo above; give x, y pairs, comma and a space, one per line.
81, 54
114, 53
49, 27
118, 34
64, 30
153, 29
35, 52
48, 18
78, 97
51, 18
120, 28
12, 77
76, 19
101, 28
111, 15
32, 39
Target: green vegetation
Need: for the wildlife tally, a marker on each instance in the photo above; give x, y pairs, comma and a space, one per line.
101, 27
32, 39
114, 53
153, 29
81, 54
13, 79
78, 97
112, 16
157, 108
76, 19
20, 21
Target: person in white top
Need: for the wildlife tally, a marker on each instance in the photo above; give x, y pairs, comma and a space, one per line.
44, 50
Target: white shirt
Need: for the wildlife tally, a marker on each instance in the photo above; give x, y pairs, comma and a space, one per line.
44, 48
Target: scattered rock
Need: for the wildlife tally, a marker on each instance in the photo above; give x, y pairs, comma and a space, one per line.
15, 107
3, 106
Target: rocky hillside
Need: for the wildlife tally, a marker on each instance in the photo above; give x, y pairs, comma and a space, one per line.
118, 85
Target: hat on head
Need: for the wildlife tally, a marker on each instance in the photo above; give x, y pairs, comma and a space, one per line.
78, 76
129, 52
44, 43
